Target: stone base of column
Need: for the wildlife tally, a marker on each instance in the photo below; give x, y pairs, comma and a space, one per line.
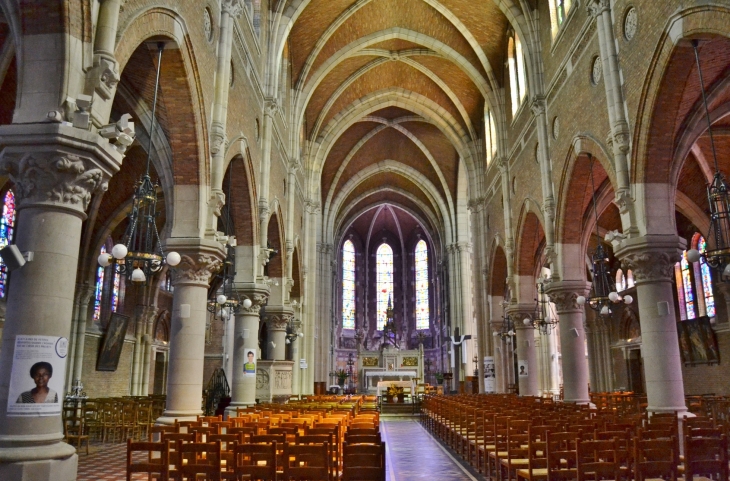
231, 409
168, 418
33, 463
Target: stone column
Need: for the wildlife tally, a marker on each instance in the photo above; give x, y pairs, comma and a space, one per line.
277, 320
652, 259
228, 340
296, 381
55, 168
572, 339
83, 316
525, 349
243, 387
200, 260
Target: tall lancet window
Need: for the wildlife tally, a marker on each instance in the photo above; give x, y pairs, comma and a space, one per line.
384, 281
348, 285
99, 289
694, 284
422, 312
7, 230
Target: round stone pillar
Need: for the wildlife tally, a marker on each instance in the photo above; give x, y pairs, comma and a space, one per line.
187, 333
572, 339
55, 169
527, 378
652, 259
243, 388
277, 320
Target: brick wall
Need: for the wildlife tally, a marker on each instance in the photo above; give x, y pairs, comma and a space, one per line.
710, 379
103, 383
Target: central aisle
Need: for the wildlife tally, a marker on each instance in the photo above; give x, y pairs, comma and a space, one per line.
411, 453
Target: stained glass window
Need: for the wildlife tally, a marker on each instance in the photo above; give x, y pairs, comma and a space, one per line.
116, 289
694, 284
348, 285
99, 289
709, 298
384, 280
490, 135
7, 229
422, 312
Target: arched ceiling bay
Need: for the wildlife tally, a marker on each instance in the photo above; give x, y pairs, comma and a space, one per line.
390, 95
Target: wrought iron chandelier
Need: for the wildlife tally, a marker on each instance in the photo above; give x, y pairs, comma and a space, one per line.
543, 319
718, 256
140, 253
507, 330
603, 288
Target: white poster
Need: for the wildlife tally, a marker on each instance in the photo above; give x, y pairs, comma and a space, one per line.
489, 375
37, 377
249, 367
522, 368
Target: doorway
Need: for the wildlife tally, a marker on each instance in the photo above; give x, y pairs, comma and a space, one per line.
636, 371
159, 383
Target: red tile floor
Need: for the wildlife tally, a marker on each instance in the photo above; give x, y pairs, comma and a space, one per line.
105, 462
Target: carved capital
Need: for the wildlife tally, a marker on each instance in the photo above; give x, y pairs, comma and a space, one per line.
54, 178
196, 269
565, 301
84, 291
257, 302
234, 8
502, 164
218, 140
651, 265
103, 77
538, 106
597, 7
278, 322
271, 107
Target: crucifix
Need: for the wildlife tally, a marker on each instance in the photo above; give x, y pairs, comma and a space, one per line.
458, 354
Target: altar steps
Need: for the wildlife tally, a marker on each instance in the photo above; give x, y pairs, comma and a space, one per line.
398, 409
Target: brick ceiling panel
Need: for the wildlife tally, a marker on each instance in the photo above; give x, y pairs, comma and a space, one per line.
459, 82
487, 24
610, 219
361, 225
391, 113
441, 149
396, 44
339, 151
385, 180
393, 198
331, 83
389, 144
413, 15
394, 74
316, 17
692, 182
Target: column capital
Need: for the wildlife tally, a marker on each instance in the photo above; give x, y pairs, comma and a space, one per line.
651, 258
564, 294
538, 105
279, 319
597, 7
271, 106
200, 259
234, 8
84, 291
56, 165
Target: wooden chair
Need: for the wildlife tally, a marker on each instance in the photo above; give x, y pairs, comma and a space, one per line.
199, 458
228, 443
561, 452
706, 457
655, 458
306, 462
172, 440
156, 432
156, 466
73, 430
536, 469
598, 459
363, 463
256, 461
362, 439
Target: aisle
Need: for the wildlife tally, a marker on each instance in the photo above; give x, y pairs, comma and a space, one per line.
411, 453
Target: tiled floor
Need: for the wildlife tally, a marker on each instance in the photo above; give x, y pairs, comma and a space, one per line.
411, 453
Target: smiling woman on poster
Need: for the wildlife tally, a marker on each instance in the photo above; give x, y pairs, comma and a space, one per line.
41, 372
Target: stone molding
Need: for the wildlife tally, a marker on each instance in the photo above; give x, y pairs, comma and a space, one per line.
258, 300
597, 7
278, 322
234, 8
196, 269
564, 294
649, 266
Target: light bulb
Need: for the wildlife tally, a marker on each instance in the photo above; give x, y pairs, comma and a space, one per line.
104, 259
628, 299
495, 333
224, 313
511, 332
693, 255
581, 300
526, 321
726, 271
221, 299
247, 303
301, 334
604, 310
288, 341
173, 258
138, 275
613, 296
119, 251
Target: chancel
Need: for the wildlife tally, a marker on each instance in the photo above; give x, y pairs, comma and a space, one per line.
318, 223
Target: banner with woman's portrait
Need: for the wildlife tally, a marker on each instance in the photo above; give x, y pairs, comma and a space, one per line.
37, 377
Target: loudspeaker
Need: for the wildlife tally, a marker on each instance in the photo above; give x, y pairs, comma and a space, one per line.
12, 257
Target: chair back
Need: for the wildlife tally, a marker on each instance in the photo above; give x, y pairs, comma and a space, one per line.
151, 464
256, 461
309, 461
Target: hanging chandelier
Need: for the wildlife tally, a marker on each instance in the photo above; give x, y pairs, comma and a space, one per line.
507, 330
718, 256
603, 288
543, 320
140, 254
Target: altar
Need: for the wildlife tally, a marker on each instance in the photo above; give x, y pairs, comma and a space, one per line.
384, 385
389, 366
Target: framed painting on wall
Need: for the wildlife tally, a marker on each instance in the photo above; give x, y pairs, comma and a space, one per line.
111, 346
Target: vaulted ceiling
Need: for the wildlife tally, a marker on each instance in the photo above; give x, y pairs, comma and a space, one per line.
390, 95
